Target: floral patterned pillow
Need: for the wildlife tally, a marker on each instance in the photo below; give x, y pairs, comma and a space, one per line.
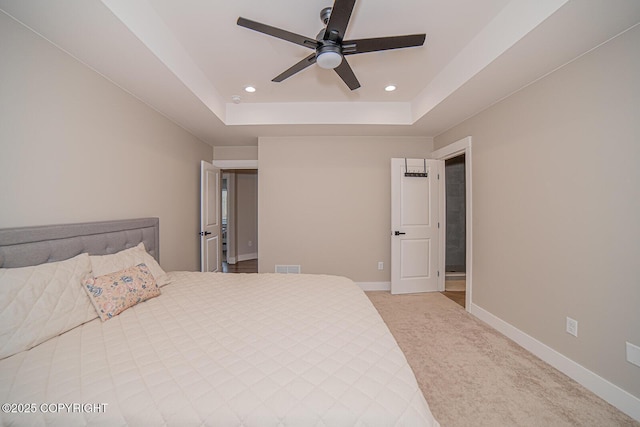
113, 293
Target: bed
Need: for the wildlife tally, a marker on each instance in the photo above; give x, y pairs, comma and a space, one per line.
211, 349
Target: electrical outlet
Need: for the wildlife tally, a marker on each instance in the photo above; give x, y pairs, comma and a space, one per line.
633, 354
380, 265
572, 326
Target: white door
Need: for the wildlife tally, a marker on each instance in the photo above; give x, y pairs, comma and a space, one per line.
415, 232
210, 218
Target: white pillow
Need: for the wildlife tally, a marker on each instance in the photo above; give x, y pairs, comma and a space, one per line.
40, 302
106, 264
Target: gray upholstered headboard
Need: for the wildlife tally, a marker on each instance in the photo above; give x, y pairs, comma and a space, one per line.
24, 246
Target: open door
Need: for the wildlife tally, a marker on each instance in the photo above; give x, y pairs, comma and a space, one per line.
210, 218
415, 225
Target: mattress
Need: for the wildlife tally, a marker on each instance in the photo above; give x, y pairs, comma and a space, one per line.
222, 350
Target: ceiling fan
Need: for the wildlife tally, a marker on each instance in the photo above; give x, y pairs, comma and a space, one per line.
329, 46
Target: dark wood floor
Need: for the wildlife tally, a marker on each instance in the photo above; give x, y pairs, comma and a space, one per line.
249, 266
455, 296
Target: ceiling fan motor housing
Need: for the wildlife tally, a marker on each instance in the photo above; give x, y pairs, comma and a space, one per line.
329, 53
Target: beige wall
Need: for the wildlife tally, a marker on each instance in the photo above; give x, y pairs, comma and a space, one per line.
556, 203
325, 202
246, 214
74, 147
235, 153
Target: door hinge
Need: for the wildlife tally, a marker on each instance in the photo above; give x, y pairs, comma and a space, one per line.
438, 273
438, 225
438, 176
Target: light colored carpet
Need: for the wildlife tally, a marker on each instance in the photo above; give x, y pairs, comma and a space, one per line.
472, 375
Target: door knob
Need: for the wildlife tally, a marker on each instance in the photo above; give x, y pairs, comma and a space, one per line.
397, 233
205, 233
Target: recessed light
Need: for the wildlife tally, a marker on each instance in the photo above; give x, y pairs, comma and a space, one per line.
250, 89
390, 88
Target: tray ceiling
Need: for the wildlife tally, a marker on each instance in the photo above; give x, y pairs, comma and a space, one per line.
189, 59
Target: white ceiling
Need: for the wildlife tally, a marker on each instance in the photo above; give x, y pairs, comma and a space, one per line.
187, 58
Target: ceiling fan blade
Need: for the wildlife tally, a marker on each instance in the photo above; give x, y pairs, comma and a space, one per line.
352, 47
278, 33
309, 60
346, 74
339, 19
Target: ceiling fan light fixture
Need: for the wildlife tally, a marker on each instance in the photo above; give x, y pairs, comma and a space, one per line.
329, 59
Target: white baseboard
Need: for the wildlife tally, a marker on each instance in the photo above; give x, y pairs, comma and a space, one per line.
621, 399
374, 286
247, 257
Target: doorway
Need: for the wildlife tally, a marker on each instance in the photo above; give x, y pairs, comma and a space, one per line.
455, 233
455, 149
239, 206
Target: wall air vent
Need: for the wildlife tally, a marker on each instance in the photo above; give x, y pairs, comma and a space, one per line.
288, 269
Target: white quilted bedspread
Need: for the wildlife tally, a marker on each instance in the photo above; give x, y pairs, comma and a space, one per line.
223, 350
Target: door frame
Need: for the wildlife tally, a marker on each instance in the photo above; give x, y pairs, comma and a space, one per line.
229, 165
235, 164
231, 215
455, 149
